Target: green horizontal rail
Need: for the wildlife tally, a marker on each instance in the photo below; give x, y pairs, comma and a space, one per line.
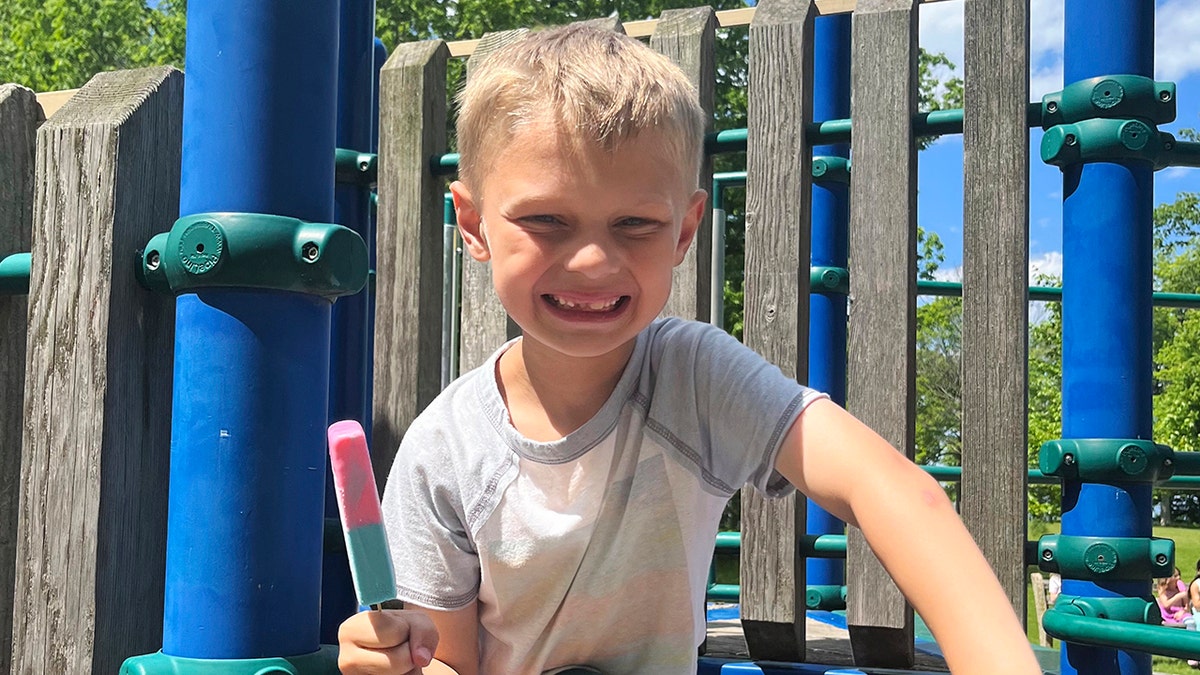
723, 593
1181, 644
952, 474
14, 274
1054, 294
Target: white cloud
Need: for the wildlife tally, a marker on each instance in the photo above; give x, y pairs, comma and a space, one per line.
1176, 53
948, 274
1049, 263
941, 30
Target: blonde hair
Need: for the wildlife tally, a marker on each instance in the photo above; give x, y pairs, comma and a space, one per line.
597, 87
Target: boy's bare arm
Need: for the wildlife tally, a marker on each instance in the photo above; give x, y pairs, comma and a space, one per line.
912, 527
458, 641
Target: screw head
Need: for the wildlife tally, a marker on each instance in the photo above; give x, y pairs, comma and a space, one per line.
310, 251
1164, 95
1052, 107
1071, 140
1069, 460
364, 165
153, 260
1161, 559
1047, 555
1168, 462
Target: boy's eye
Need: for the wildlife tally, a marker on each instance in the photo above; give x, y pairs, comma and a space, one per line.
541, 221
639, 226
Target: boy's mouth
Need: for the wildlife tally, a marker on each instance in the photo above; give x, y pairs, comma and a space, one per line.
596, 306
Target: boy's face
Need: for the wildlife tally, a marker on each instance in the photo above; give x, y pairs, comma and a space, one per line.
582, 241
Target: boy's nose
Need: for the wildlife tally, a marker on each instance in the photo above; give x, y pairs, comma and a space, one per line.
593, 259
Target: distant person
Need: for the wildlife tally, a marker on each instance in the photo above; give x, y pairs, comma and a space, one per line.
1172, 599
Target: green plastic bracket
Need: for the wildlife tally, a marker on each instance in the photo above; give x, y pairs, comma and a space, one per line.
1107, 140
828, 598
250, 250
321, 662
831, 170
1112, 97
14, 274
1133, 610
358, 168
1107, 460
829, 280
1106, 558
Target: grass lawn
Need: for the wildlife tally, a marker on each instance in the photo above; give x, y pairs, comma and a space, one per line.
1187, 552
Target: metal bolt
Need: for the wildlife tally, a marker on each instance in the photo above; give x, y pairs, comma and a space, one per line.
1161, 559
1051, 107
1168, 462
364, 165
1071, 140
1069, 460
1168, 146
1164, 95
153, 260
1047, 555
310, 251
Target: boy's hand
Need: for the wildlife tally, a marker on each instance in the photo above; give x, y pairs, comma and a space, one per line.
386, 642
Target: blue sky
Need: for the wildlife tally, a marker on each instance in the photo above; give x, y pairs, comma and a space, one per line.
1177, 58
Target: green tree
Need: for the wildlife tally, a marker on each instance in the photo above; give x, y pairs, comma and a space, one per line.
60, 44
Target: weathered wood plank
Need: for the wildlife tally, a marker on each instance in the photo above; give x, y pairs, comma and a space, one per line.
485, 324
995, 324
20, 116
778, 236
688, 37
408, 286
93, 506
612, 22
881, 373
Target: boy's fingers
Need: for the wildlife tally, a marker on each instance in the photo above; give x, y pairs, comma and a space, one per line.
388, 628
422, 639
363, 661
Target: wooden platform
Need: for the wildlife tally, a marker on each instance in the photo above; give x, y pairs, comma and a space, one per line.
826, 644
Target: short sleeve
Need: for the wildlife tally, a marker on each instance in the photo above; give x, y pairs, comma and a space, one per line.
722, 406
434, 559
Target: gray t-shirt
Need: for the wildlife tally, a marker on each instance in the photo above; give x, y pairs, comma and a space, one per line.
593, 549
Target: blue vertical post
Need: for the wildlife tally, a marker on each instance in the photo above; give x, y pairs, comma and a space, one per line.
349, 358
1107, 252
244, 537
830, 247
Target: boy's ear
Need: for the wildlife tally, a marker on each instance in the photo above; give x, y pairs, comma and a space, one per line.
691, 220
470, 222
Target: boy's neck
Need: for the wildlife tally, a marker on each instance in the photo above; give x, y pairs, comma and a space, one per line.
549, 395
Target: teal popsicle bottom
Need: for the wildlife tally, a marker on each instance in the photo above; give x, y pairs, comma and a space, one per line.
371, 564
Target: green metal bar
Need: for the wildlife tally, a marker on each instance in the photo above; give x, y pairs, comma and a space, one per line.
1182, 644
358, 168
1054, 294
823, 546
1185, 153
728, 542
723, 593
14, 274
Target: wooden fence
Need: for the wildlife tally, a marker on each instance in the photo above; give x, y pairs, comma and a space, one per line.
86, 384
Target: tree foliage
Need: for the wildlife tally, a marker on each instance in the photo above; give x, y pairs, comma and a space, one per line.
60, 44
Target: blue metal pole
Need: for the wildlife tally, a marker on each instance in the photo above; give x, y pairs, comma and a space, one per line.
349, 361
1107, 252
244, 537
830, 218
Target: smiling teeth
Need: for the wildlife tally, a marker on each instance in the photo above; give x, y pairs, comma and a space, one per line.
586, 306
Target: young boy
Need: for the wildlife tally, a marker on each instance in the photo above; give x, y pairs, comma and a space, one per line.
557, 506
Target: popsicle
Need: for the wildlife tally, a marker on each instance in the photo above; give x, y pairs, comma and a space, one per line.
362, 519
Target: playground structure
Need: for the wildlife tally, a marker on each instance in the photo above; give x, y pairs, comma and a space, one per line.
252, 336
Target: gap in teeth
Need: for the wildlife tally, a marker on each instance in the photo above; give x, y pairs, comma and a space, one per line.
588, 306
